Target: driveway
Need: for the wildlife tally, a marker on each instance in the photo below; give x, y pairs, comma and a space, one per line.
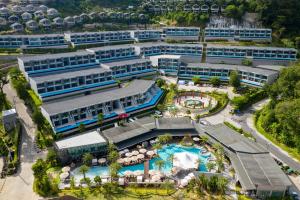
19, 186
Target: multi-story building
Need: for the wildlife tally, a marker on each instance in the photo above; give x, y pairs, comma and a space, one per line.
86, 38
129, 69
72, 82
167, 64
52, 63
142, 35
253, 34
255, 76
33, 41
259, 55
115, 52
66, 115
181, 33
160, 48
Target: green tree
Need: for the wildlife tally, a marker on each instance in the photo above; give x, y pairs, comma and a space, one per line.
38, 119
204, 139
234, 79
163, 139
52, 158
196, 80
98, 181
81, 127
87, 159
39, 168
167, 185
83, 170
100, 119
3, 80
210, 166
159, 164
215, 81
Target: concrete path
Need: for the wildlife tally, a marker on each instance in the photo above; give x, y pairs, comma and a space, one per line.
19, 186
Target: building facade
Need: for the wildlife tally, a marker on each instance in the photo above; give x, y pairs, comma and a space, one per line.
181, 33
142, 35
167, 64
68, 114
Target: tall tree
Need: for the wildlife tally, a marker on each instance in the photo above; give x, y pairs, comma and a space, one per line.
234, 79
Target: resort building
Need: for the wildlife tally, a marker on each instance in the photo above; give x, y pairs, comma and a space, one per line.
130, 69
248, 34
52, 63
75, 146
167, 64
181, 33
67, 114
258, 55
159, 48
142, 35
86, 38
115, 52
71, 82
255, 76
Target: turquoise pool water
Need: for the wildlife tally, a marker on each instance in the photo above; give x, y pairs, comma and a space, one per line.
163, 153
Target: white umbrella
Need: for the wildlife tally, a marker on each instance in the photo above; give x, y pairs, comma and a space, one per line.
196, 139
192, 175
102, 160
142, 150
140, 156
64, 175
120, 161
121, 153
126, 160
134, 158
126, 150
184, 182
128, 154
128, 173
138, 172
66, 169
150, 153
135, 153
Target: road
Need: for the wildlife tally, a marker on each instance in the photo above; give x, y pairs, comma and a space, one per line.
19, 186
245, 119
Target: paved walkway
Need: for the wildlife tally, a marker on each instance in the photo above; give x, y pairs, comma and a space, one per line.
19, 186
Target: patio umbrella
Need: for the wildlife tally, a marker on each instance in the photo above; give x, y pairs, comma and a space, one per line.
121, 153
128, 154
134, 158
120, 161
184, 182
135, 153
196, 139
140, 156
128, 173
142, 150
102, 160
66, 169
64, 175
138, 172
126, 160
192, 175
126, 150
150, 153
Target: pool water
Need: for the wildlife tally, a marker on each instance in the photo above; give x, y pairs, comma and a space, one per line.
163, 153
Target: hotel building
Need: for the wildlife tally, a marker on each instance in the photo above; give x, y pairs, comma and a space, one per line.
86, 38
143, 35
255, 76
66, 115
247, 34
181, 33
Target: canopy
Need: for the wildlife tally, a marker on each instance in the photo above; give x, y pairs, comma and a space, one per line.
185, 160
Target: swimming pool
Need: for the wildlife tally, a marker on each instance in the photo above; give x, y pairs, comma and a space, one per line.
164, 154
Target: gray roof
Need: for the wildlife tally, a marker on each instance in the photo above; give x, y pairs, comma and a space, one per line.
271, 67
85, 139
176, 27
65, 105
174, 123
150, 44
54, 56
100, 32
237, 28
250, 47
125, 62
70, 74
258, 70
31, 36
260, 170
123, 46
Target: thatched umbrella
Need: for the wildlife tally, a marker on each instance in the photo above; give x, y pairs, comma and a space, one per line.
128, 154
120, 161
142, 150
134, 153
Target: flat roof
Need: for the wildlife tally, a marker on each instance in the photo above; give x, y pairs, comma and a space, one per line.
166, 56
111, 47
147, 30
150, 44
32, 36
271, 67
237, 28
54, 56
257, 70
174, 123
181, 27
69, 74
100, 32
124, 62
250, 47
82, 139
65, 105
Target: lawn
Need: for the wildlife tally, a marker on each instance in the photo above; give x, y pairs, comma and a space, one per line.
35, 98
291, 151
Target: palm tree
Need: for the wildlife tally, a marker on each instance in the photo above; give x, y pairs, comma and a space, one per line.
114, 168
98, 181
222, 185
100, 119
159, 164
171, 159
164, 138
204, 139
84, 169
157, 146
210, 166
87, 159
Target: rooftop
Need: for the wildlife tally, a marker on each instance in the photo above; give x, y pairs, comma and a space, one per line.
84, 139
250, 47
125, 62
65, 105
150, 44
70, 74
123, 46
